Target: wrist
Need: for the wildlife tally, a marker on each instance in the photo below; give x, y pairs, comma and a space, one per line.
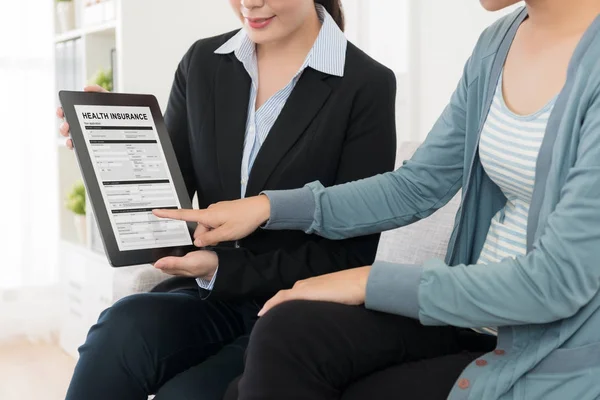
364, 277
209, 275
264, 208
213, 265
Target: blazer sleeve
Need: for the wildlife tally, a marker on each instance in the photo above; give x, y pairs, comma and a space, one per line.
369, 149
176, 120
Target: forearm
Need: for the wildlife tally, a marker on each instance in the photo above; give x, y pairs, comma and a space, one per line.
554, 281
364, 207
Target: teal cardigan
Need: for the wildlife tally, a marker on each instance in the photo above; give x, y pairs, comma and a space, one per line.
546, 303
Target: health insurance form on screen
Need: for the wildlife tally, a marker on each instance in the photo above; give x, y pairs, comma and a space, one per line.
133, 176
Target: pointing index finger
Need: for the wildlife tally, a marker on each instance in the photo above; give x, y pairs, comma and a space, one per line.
180, 214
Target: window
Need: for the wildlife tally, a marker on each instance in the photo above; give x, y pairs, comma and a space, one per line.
27, 155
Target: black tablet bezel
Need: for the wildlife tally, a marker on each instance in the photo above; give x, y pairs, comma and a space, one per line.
116, 257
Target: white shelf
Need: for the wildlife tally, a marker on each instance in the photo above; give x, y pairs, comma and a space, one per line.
64, 37
87, 282
88, 276
61, 142
106, 28
85, 250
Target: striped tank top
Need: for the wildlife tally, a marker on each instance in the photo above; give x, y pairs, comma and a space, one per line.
508, 151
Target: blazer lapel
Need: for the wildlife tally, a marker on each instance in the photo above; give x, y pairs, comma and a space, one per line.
303, 105
232, 95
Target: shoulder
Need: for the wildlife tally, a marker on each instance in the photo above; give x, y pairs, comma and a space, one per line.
585, 76
491, 38
362, 70
585, 60
203, 50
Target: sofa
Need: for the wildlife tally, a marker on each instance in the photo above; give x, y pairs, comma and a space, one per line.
412, 244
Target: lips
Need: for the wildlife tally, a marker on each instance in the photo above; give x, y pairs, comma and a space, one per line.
259, 23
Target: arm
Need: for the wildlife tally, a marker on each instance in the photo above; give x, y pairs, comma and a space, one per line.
423, 185
176, 120
553, 282
369, 149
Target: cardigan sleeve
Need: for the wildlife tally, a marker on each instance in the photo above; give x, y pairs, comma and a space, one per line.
552, 282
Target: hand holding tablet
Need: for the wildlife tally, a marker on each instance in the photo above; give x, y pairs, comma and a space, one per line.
129, 168
64, 127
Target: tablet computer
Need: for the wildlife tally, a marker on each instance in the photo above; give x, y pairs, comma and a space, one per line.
129, 168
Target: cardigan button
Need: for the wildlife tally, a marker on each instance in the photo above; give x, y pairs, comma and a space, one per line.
481, 363
464, 384
499, 352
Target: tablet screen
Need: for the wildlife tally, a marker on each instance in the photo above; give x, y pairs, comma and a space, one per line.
133, 175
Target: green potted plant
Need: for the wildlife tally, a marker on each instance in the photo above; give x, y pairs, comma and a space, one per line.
103, 78
65, 13
75, 203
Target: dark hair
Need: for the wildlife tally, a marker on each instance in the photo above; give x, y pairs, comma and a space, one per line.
334, 7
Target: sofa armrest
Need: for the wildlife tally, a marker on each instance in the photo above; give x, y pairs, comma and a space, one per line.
136, 279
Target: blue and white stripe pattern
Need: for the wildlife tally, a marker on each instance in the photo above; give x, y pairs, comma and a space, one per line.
328, 55
508, 150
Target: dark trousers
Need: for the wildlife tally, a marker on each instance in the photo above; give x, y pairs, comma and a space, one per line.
321, 351
174, 345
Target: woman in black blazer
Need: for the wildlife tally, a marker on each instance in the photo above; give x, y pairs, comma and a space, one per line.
281, 103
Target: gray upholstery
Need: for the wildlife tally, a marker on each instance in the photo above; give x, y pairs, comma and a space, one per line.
424, 239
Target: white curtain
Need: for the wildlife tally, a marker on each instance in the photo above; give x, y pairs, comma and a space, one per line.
382, 29
28, 167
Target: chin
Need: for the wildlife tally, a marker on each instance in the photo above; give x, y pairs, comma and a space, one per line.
261, 37
257, 38
495, 5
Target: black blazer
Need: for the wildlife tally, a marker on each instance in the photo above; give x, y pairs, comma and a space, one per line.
332, 130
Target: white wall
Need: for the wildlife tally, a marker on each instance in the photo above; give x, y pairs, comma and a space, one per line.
380, 28
426, 42
442, 36
158, 47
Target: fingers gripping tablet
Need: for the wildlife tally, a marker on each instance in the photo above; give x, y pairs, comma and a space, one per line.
129, 168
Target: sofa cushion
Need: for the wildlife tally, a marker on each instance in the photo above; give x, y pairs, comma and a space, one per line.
424, 239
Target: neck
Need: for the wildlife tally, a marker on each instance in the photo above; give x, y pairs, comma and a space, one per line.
295, 45
562, 17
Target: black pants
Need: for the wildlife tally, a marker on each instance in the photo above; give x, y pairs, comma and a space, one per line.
321, 351
174, 345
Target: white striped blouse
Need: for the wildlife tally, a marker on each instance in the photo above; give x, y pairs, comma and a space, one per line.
508, 150
328, 55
